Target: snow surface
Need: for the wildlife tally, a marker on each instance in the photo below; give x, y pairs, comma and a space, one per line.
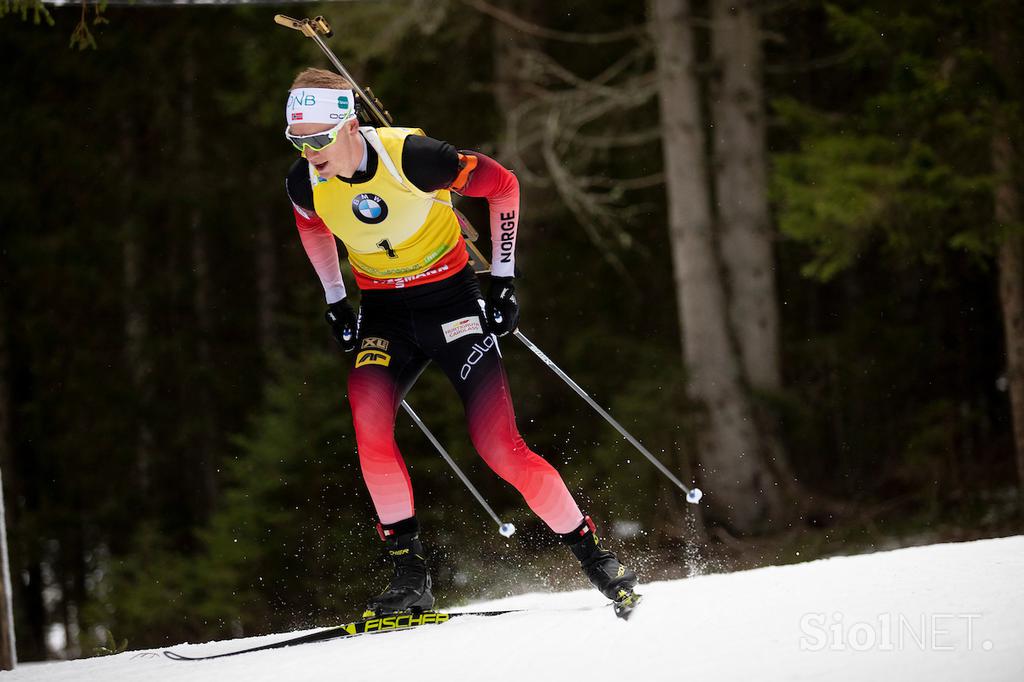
940, 612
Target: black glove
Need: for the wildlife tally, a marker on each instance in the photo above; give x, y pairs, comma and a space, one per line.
502, 306
342, 319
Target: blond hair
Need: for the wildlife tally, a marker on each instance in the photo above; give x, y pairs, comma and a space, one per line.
320, 78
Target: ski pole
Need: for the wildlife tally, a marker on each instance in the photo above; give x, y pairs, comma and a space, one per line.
506, 529
693, 495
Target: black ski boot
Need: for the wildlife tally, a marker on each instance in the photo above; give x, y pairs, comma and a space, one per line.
614, 580
409, 590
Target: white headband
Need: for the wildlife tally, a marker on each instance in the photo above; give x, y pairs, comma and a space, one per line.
319, 105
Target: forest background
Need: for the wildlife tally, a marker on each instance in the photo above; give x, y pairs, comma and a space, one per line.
780, 240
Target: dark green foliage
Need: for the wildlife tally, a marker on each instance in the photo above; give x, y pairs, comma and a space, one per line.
23, 7
888, 193
907, 167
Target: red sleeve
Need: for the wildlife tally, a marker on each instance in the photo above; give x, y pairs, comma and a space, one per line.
322, 251
482, 176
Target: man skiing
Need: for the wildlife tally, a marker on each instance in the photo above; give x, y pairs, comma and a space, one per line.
386, 194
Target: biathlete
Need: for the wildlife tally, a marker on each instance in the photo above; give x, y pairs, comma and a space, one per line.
386, 194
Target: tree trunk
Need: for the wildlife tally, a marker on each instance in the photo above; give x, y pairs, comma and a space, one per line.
510, 46
741, 189
1011, 300
136, 331
744, 226
266, 281
1007, 213
192, 185
20, 480
742, 491
8, 653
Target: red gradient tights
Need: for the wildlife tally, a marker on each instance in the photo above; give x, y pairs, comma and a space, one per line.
400, 332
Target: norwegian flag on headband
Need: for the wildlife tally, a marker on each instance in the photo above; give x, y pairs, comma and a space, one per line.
297, 116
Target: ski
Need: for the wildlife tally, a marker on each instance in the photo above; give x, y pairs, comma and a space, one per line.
363, 626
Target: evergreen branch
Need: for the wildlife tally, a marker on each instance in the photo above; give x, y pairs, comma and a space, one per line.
22, 7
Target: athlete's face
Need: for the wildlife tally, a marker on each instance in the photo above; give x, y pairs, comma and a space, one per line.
342, 157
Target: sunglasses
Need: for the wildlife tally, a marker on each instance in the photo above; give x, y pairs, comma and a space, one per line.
317, 141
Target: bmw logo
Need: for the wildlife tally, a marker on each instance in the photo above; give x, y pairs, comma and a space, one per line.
369, 208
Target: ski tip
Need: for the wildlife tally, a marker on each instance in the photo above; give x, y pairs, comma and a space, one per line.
176, 657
